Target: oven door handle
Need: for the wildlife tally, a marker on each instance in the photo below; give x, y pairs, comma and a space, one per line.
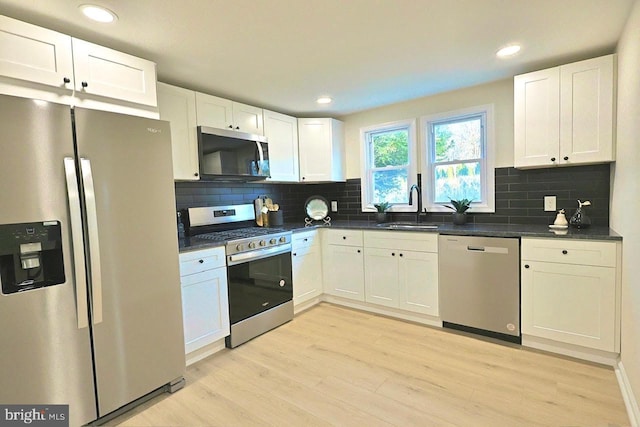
259, 254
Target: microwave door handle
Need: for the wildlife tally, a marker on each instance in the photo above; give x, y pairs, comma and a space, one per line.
260, 158
75, 220
94, 244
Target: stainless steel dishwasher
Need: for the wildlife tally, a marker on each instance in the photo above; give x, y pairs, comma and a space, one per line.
480, 285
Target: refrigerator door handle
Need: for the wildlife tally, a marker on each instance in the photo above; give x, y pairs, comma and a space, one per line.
77, 244
94, 242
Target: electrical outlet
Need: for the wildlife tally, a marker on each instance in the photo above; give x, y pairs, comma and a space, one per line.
334, 206
549, 203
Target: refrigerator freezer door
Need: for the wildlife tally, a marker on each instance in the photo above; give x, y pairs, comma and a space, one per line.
45, 357
139, 343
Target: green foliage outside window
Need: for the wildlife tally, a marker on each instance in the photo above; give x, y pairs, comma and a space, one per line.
390, 158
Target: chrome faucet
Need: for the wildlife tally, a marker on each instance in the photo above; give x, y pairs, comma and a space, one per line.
419, 192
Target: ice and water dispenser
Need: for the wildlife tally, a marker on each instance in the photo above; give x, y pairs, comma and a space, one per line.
30, 256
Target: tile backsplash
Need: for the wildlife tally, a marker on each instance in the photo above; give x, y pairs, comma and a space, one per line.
519, 196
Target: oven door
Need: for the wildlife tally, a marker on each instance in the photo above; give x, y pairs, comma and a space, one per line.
258, 281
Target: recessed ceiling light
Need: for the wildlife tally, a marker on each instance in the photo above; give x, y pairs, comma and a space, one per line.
98, 13
508, 51
324, 100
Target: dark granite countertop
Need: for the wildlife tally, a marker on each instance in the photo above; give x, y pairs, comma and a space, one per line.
488, 230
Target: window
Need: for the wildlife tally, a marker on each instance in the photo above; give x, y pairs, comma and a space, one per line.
389, 164
459, 159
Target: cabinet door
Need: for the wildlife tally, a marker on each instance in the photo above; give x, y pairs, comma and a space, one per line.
247, 118
344, 272
381, 276
282, 133
586, 111
573, 304
418, 282
536, 118
205, 308
307, 273
315, 149
213, 111
35, 54
112, 74
178, 106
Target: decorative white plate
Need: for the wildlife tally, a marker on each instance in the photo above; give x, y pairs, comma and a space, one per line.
316, 207
558, 227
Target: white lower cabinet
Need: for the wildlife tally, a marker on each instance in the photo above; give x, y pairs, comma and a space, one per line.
306, 261
343, 264
401, 270
205, 302
570, 292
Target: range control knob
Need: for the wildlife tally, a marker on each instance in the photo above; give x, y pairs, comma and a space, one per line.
252, 245
273, 241
240, 247
263, 243
284, 239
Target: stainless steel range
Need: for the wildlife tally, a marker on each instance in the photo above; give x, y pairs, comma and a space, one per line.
258, 268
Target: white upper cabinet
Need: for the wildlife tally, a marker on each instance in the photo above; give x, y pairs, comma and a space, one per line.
178, 106
106, 72
247, 118
39, 63
586, 111
35, 54
222, 113
321, 150
282, 135
213, 111
537, 118
564, 115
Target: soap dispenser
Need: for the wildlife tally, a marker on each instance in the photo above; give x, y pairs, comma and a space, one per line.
561, 220
580, 218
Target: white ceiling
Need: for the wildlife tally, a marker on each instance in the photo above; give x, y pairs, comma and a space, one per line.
283, 54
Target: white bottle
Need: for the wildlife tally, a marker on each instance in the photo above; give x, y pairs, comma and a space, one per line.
561, 219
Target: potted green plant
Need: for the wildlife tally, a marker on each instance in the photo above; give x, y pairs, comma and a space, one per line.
381, 208
460, 208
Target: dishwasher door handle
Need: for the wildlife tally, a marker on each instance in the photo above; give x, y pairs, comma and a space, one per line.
488, 249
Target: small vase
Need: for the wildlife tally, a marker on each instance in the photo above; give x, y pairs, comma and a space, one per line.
580, 219
459, 218
381, 217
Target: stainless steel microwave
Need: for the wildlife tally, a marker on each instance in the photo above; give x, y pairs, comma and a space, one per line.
229, 155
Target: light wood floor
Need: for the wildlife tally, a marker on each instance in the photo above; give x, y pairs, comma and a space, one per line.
336, 366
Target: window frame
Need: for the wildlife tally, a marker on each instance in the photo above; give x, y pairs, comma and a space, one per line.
366, 187
487, 177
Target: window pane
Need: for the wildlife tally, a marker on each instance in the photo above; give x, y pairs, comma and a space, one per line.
457, 181
390, 148
458, 140
390, 186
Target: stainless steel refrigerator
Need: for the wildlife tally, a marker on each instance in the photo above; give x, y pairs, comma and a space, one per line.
90, 311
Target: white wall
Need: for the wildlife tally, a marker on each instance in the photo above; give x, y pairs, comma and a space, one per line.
499, 93
625, 202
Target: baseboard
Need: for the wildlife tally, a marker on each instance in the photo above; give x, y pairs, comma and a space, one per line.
305, 305
206, 351
575, 351
424, 319
630, 401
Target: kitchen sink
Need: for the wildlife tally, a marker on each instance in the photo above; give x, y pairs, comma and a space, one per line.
408, 226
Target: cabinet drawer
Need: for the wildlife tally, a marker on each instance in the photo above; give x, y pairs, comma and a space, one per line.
565, 251
420, 242
304, 239
344, 237
198, 261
